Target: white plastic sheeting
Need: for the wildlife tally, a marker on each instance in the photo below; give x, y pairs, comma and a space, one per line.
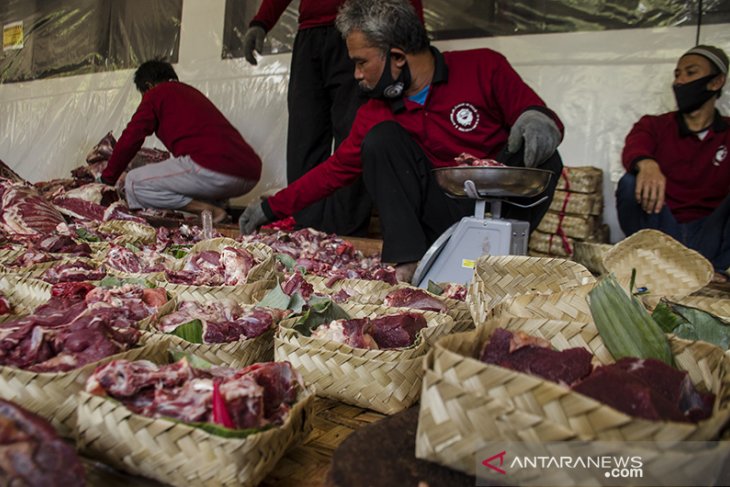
600, 83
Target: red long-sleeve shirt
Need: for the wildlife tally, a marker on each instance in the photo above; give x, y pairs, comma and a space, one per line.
188, 123
312, 13
475, 98
697, 170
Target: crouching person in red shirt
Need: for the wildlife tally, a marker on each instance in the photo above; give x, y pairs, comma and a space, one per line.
677, 164
210, 161
425, 109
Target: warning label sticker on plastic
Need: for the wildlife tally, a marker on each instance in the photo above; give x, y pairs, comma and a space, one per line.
13, 36
467, 263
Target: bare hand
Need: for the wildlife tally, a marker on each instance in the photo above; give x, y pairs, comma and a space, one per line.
650, 186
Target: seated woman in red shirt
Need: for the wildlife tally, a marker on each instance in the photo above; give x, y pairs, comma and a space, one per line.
678, 169
210, 160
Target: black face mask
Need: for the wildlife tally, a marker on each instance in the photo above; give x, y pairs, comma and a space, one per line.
691, 96
387, 87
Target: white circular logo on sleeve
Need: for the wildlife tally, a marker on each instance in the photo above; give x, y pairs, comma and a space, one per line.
464, 117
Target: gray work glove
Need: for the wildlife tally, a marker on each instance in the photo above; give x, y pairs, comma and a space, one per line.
252, 218
538, 132
253, 39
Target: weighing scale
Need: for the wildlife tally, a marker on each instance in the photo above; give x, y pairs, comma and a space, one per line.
452, 256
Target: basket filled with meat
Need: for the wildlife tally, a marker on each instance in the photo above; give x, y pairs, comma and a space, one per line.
618, 378
20, 295
369, 356
221, 332
221, 268
184, 422
141, 260
45, 357
499, 277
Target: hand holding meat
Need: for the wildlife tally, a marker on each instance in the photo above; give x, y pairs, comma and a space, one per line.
538, 133
253, 39
252, 218
650, 186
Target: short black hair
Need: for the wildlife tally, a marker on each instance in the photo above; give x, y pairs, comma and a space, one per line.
153, 72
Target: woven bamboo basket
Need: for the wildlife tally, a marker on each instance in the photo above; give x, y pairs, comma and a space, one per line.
574, 226
577, 203
663, 265
53, 394
717, 306
466, 403
386, 381
551, 244
496, 277
129, 232
568, 305
374, 292
10, 252
24, 293
36, 271
590, 255
260, 278
181, 455
581, 179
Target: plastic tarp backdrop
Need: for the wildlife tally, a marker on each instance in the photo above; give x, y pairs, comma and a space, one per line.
67, 80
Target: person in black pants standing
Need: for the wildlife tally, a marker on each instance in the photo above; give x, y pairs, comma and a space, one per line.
322, 101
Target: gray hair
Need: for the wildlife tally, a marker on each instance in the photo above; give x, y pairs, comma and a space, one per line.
385, 24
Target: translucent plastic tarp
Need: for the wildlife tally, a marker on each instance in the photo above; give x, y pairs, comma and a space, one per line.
46, 38
463, 19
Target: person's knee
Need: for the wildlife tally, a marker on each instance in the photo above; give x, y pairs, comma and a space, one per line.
380, 138
626, 188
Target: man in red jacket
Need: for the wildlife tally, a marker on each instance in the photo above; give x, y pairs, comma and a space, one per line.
322, 100
210, 160
677, 166
426, 108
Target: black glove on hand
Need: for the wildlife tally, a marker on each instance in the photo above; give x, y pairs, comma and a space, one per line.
252, 218
253, 39
538, 132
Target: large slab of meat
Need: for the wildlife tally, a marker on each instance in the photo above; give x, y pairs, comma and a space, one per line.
414, 298
32, 454
47, 249
398, 330
254, 397
24, 211
74, 271
224, 321
80, 324
87, 202
648, 389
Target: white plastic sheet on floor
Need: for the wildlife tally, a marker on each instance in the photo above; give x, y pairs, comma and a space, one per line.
600, 83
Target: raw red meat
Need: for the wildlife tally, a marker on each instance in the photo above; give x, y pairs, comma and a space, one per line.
103, 150
5, 306
254, 397
398, 330
119, 211
32, 454
123, 259
24, 211
567, 366
73, 271
454, 291
647, 389
296, 283
355, 332
465, 159
413, 298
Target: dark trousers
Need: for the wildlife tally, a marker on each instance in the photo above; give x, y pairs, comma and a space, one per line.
322, 102
710, 236
413, 208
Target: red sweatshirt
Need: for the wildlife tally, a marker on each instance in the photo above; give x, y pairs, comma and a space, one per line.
697, 170
475, 98
312, 13
189, 124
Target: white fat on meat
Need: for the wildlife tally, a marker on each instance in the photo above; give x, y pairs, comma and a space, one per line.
333, 331
237, 263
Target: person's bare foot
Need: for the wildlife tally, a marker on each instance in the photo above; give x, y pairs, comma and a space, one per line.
404, 272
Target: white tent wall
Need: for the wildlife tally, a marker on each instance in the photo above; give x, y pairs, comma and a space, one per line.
599, 83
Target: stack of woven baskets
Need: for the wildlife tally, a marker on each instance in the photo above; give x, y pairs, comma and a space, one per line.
574, 214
